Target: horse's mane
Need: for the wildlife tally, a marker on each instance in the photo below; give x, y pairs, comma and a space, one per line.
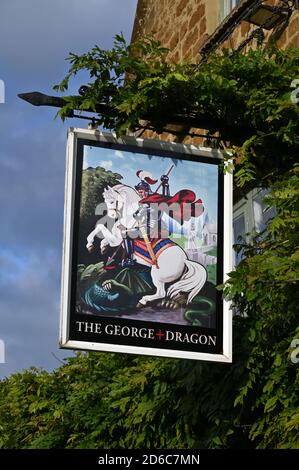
131, 197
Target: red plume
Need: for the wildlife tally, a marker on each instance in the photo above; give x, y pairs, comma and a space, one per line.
146, 176
150, 180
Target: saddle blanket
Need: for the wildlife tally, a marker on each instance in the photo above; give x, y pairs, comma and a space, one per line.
158, 246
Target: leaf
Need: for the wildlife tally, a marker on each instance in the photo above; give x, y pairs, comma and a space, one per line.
271, 404
278, 360
252, 335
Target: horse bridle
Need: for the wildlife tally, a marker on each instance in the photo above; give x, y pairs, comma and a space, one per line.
117, 203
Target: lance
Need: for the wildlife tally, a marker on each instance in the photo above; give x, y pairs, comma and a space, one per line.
167, 174
149, 246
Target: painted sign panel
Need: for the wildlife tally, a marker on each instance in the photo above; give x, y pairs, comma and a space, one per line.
147, 238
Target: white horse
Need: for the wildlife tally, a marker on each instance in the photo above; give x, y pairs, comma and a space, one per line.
173, 266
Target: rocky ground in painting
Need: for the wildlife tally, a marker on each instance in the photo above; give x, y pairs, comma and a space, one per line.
162, 315
150, 314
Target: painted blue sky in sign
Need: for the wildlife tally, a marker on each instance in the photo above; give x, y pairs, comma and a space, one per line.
202, 178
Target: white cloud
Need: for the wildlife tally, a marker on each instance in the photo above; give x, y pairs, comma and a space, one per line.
107, 164
119, 154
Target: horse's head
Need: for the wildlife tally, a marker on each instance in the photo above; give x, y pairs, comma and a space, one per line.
122, 202
114, 202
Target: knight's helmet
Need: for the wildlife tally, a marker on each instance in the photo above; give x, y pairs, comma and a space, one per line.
146, 181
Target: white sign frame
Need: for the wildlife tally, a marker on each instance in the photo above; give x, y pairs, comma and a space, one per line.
75, 138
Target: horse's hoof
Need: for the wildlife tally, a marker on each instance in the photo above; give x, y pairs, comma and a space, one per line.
140, 305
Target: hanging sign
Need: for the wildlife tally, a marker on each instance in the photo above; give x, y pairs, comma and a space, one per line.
147, 238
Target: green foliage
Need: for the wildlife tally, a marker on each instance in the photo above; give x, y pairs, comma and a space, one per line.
94, 181
106, 401
264, 287
99, 400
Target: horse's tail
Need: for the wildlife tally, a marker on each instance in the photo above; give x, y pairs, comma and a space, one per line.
192, 281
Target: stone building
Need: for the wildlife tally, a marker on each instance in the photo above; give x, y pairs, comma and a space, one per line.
193, 29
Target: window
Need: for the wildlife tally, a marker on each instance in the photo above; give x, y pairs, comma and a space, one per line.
250, 216
226, 6
238, 234
261, 213
242, 226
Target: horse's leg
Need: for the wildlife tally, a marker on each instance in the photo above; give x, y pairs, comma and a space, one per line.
114, 239
90, 238
160, 293
171, 267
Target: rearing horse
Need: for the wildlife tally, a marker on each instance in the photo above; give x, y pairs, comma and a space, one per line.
173, 268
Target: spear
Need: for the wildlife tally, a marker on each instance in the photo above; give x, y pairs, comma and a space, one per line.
167, 174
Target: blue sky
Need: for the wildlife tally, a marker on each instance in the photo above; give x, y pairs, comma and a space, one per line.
201, 178
35, 38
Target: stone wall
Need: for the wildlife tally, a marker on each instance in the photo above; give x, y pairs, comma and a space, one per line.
180, 25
